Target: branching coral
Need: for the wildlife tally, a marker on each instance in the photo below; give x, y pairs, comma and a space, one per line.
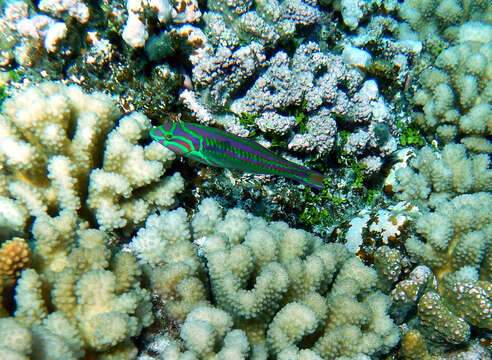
327, 92
447, 310
83, 302
455, 97
224, 71
282, 288
51, 137
128, 166
78, 298
453, 102
266, 22
436, 21
452, 190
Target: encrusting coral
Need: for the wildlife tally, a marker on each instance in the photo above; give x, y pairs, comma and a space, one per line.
275, 290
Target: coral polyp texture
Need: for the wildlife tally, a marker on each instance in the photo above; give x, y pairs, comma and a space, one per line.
326, 93
77, 300
456, 94
52, 136
452, 189
451, 194
14, 257
454, 99
437, 22
444, 312
230, 23
27, 35
275, 291
67, 177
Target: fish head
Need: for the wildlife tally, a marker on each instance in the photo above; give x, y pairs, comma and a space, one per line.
166, 134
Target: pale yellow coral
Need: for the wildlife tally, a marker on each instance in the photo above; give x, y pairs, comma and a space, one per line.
93, 309
54, 240
55, 119
51, 138
79, 299
126, 270
181, 290
208, 330
275, 283
127, 165
294, 321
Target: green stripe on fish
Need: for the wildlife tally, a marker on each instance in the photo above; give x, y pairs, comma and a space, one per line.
219, 148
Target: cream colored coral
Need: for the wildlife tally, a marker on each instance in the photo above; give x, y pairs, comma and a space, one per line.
75, 299
126, 270
208, 329
160, 232
163, 193
165, 242
46, 127
54, 240
51, 138
279, 287
92, 309
180, 288
127, 165
205, 220
291, 324
234, 225
56, 119
47, 345
61, 173
30, 306
28, 197
455, 93
15, 338
102, 321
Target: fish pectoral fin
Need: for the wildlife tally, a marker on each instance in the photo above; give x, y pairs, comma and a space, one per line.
198, 157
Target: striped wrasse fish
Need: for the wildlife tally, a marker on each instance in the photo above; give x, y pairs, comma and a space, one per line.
219, 148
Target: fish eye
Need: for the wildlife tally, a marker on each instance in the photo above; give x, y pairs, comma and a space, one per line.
169, 136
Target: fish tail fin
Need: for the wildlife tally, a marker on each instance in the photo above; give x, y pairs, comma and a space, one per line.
315, 180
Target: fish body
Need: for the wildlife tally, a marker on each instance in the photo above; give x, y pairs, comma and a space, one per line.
216, 147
